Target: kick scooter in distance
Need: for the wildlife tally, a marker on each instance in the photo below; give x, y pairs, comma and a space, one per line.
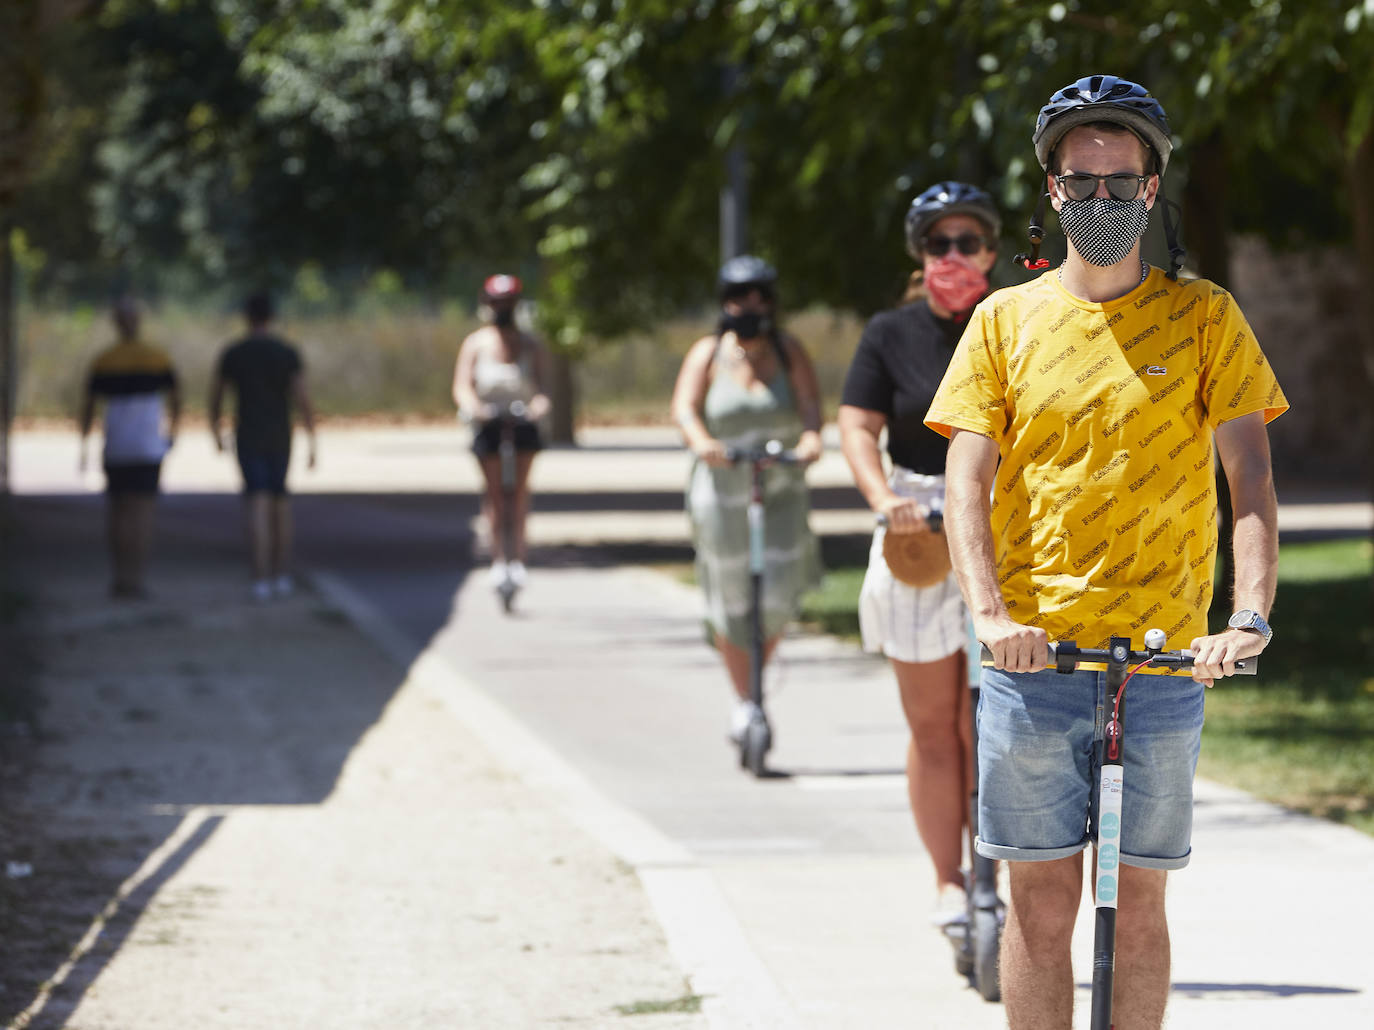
757, 739
507, 417
1122, 663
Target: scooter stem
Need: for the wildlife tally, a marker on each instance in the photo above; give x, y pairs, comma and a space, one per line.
1111, 757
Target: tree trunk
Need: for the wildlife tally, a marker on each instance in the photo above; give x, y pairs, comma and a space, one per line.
562, 397
1204, 216
7, 347
1360, 172
1205, 209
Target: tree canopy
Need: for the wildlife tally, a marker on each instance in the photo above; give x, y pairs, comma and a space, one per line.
583, 143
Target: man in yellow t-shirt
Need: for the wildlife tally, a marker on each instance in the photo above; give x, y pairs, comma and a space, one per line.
1082, 409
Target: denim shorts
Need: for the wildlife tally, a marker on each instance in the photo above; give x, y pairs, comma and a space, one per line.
1038, 768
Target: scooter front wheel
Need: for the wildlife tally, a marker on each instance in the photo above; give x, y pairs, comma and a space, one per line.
506, 591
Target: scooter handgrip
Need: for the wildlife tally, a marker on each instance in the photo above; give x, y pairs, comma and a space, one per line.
987, 655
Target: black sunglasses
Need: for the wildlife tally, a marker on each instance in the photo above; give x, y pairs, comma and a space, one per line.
968, 243
741, 291
1120, 185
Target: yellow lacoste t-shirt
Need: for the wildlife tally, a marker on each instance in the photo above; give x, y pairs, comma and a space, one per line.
1104, 509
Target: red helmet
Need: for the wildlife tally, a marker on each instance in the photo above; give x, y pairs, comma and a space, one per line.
502, 287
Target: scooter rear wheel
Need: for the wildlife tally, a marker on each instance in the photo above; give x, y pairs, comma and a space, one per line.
986, 931
754, 747
963, 949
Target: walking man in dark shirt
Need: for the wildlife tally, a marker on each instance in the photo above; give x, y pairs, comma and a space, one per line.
268, 381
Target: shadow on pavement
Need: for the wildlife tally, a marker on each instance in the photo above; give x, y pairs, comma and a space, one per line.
838, 773
1201, 990
195, 697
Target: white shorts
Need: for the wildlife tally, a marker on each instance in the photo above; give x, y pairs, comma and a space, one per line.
910, 624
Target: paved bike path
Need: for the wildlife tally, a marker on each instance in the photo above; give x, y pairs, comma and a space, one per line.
821, 871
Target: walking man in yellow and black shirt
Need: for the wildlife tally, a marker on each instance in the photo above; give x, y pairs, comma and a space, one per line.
1082, 408
132, 378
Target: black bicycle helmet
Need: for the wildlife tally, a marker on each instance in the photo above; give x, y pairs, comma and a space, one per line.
1103, 98
948, 198
744, 271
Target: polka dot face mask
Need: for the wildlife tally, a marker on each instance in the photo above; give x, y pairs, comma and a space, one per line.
1102, 229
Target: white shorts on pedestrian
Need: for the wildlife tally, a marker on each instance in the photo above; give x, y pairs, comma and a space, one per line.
910, 624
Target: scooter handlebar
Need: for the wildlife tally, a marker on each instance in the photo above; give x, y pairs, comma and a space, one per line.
1065, 656
495, 410
772, 452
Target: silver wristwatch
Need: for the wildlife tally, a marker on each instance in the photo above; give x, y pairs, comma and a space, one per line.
1252, 620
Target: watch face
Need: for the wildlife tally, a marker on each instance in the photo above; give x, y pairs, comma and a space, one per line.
1251, 620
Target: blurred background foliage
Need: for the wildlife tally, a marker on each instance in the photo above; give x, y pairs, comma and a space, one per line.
338, 149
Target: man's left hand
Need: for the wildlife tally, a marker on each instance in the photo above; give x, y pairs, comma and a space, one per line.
1215, 656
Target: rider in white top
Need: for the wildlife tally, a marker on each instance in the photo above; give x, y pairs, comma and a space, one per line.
498, 365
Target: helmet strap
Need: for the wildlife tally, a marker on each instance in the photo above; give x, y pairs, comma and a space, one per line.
1036, 232
1176, 251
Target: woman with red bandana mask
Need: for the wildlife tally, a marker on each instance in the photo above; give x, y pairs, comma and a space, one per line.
951, 231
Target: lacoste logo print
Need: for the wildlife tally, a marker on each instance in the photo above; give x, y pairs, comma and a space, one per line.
1156, 370
1150, 613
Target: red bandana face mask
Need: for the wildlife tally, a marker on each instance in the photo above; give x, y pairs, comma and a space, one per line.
955, 284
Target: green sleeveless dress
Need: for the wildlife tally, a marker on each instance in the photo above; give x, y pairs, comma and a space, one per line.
717, 499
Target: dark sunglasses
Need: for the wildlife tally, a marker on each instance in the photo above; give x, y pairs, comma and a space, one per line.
968, 244
742, 291
1120, 185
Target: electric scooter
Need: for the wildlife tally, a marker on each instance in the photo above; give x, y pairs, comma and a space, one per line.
1122, 663
508, 415
757, 739
977, 940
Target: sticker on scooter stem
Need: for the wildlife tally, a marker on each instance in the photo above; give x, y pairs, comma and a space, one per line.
1109, 836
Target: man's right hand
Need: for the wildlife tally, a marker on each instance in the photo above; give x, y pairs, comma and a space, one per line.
904, 515
1014, 647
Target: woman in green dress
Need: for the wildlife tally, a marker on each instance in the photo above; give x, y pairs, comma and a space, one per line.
740, 387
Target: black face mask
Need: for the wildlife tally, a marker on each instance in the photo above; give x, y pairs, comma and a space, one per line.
504, 317
748, 325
